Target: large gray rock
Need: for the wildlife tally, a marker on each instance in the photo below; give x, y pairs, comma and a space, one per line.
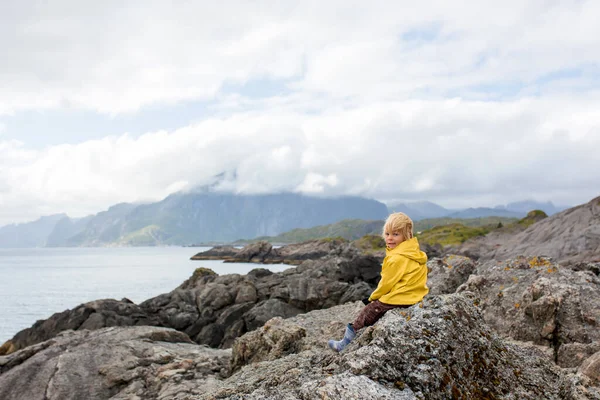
534, 299
264, 253
591, 368
93, 315
446, 274
225, 252
116, 363
586, 266
568, 237
439, 349
254, 252
482, 246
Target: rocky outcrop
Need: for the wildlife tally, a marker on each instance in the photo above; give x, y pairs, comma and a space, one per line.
214, 310
500, 336
593, 267
264, 253
225, 252
534, 299
438, 349
116, 363
568, 237
531, 300
446, 274
481, 246
93, 315
591, 368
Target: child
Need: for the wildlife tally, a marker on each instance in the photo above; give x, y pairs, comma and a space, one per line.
403, 277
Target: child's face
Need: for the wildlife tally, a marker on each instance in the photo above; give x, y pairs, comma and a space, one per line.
393, 239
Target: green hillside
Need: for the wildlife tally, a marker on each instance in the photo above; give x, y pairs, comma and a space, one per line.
460, 230
452, 234
425, 224
353, 229
350, 229
150, 235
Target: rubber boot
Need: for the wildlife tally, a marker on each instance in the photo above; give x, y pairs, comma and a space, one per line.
339, 345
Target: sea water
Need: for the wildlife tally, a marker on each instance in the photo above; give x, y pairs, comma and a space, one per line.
36, 283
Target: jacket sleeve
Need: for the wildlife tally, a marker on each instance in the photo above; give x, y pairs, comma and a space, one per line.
392, 271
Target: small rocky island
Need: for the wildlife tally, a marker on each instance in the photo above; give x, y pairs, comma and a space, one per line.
521, 327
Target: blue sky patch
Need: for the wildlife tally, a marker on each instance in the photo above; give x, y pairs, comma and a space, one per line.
39, 129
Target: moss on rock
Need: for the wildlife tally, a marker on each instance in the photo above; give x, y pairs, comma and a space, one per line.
370, 243
532, 217
453, 234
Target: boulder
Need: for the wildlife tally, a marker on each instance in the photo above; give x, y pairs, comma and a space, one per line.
432, 250
586, 266
116, 363
591, 368
439, 349
217, 253
309, 250
257, 316
93, 315
446, 274
571, 355
264, 253
254, 252
534, 299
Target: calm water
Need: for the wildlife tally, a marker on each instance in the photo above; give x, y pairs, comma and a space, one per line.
36, 283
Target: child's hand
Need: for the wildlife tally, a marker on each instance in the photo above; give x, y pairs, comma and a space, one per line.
366, 301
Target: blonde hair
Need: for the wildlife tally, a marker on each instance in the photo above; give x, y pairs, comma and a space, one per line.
398, 222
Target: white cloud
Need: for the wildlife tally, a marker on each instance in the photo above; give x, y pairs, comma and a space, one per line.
459, 152
470, 105
119, 57
316, 183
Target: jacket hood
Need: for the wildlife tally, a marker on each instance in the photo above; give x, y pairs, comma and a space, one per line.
410, 249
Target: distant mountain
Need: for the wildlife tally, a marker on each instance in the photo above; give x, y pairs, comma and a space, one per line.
29, 234
205, 216
102, 228
66, 228
528, 205
481, 212
420, 210
200, 217
425, 209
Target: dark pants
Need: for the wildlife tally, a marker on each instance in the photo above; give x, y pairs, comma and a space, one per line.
372, 312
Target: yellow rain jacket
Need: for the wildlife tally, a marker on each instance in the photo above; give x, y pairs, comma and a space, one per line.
403, 275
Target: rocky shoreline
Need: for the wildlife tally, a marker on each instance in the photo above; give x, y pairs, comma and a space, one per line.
524, 328
213, 310
264, 253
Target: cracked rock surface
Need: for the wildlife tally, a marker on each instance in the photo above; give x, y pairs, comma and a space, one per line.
533, 299
439, 349
112, 363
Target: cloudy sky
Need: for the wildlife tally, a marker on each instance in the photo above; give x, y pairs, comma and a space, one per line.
473, 103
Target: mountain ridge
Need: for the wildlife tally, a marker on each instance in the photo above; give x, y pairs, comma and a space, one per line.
188, 218
206, 216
